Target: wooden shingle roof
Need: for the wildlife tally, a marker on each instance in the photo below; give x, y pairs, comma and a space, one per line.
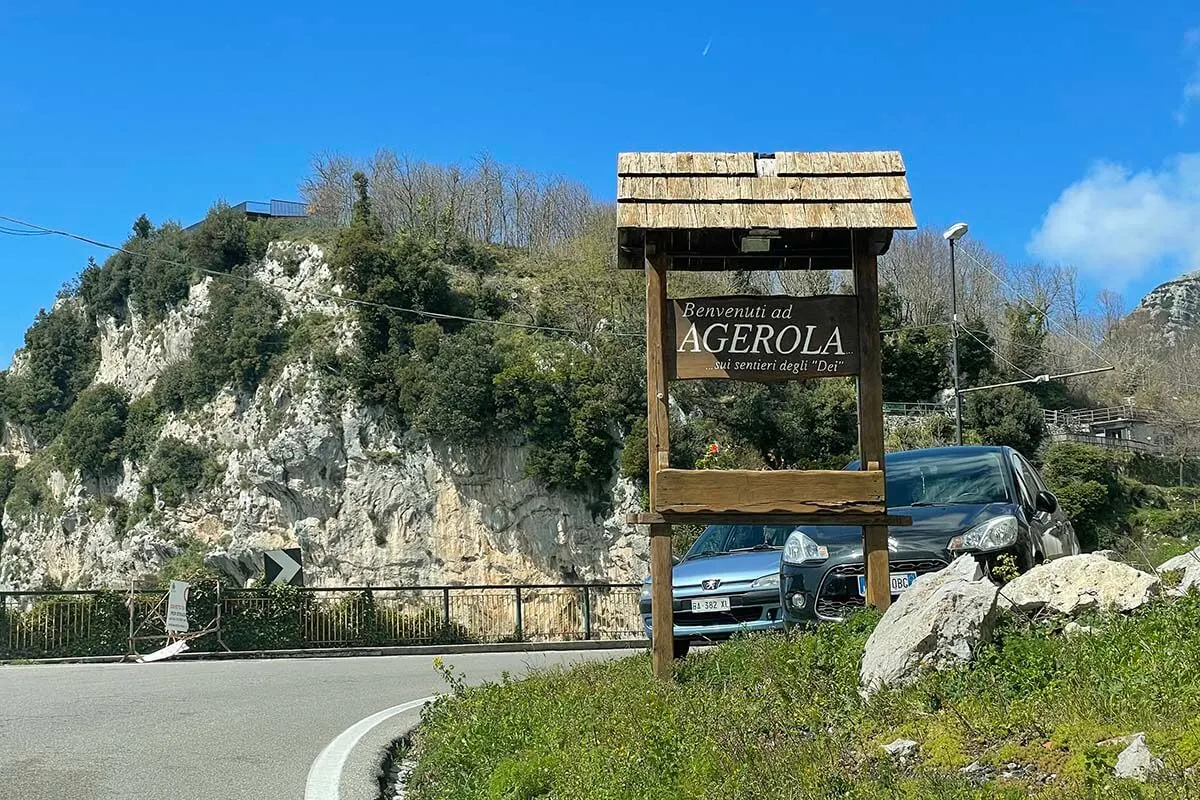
791, 190
703, 209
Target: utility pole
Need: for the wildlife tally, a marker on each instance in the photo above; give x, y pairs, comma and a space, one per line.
952, 235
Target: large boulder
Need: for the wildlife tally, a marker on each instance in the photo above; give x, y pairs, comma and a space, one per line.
938, 622
1075, 584
1189, 565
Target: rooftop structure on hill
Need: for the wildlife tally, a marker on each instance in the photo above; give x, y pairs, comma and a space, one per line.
251, 209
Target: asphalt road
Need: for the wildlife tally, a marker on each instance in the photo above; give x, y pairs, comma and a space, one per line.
234, 730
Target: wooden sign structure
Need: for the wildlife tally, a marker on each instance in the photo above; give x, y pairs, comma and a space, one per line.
761, 211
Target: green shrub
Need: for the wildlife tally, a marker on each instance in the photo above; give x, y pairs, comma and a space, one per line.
176, 469
61, 356
92, 435
570, 405
1087, 482
142, 426
1006, 416
450, 379
222, 240
1178, 523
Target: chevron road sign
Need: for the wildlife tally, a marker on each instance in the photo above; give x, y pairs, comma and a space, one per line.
283, 567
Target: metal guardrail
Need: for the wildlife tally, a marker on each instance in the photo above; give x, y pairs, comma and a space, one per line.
1132, 445
79, 623
913, 409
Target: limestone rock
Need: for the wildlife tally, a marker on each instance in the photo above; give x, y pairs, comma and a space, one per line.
900, 748
1189, 565
938, 622
1136, 761
303, 466
1074, 584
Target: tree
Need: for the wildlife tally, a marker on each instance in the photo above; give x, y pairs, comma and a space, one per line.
220, 244
93, 430
1006, 416
915, 359
60, 359
176, 469
143, 227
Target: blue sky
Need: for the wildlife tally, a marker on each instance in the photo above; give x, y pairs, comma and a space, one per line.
1005, 112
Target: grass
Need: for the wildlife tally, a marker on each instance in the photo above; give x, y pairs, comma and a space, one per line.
778, 717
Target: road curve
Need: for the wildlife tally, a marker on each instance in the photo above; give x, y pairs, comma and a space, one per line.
235, 730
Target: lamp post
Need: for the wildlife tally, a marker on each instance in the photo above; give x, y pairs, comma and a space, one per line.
952, 235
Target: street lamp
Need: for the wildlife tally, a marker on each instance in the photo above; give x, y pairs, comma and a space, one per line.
952, 235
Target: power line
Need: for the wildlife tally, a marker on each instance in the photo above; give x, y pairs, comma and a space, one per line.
1045, 313
997, 354
44, 231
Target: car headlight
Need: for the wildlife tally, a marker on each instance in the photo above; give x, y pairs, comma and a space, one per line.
991, 535
800, 548
766, 582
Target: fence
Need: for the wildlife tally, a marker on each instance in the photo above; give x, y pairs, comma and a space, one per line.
85, 623
1133, 445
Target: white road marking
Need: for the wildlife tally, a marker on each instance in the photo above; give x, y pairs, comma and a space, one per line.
325, 775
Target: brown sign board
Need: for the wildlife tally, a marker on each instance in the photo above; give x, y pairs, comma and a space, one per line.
762, 337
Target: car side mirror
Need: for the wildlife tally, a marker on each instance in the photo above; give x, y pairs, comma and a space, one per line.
1047, 502
675, 560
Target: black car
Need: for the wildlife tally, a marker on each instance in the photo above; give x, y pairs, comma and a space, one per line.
984, 500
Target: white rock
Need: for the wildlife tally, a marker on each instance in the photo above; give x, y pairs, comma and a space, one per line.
1073, 627
938, 622
900, 748
368, 504
1189, 565
1136, 761
1074, 584
1111, 555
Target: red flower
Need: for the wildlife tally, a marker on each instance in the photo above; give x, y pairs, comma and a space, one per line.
713, 449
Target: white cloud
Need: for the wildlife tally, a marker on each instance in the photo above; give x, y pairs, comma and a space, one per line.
1117, 225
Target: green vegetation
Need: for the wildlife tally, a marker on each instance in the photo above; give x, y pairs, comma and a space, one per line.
1006, 416
93, 430
1088, 483
60, 359
176, 469
769, 716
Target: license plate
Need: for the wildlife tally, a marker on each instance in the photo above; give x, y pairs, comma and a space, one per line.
709, 604
900, 582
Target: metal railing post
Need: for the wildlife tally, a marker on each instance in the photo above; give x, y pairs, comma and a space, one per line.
587, 612
446, 611
520, 632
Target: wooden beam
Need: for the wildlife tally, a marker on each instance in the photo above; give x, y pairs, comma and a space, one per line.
739, 491
685, 164
896, 214
843, 518
662, 615
886, 162
662, 621
795, 189
870, 413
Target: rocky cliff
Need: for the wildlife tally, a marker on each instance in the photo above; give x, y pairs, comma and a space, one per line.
299, 465
1172, 309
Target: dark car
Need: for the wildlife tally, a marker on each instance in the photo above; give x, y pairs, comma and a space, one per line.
989, 501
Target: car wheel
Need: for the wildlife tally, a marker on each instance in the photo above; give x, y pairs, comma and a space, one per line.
681, 647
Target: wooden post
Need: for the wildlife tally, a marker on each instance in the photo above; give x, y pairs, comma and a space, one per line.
870, 411
662, 621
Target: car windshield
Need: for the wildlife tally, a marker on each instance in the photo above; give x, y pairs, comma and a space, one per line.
720, 539
946, 478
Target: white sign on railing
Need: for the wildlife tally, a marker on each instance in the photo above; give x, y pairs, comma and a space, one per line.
177, 619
